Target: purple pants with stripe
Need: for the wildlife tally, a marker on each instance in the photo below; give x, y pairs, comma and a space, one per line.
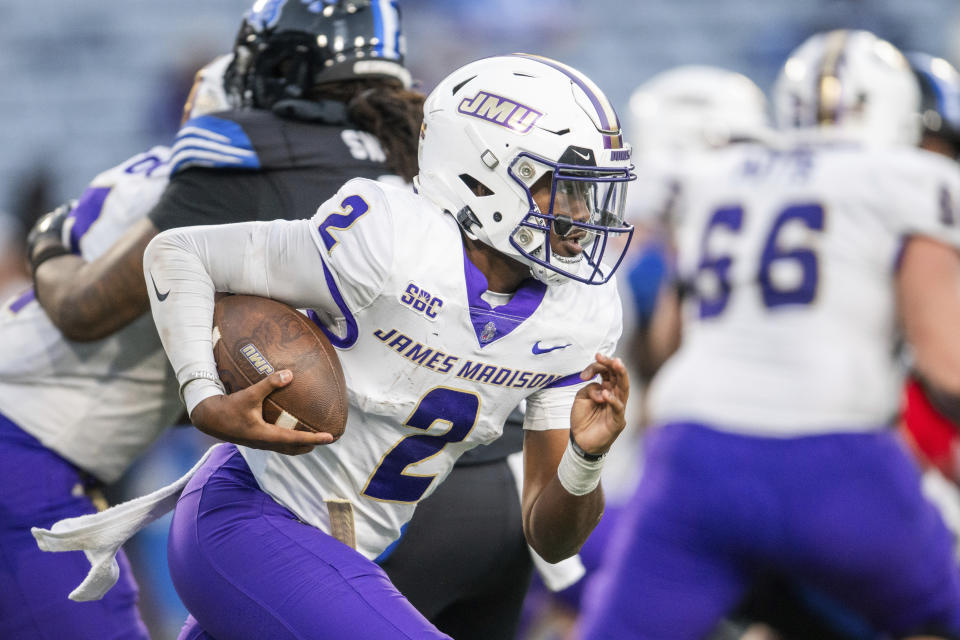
842, 513
37, 488
245, 567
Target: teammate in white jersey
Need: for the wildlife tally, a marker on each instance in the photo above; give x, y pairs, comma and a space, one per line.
491, 285
74, 416
682, 111
775, 448
685, 110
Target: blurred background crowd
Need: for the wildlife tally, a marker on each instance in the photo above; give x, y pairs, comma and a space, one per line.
86, 85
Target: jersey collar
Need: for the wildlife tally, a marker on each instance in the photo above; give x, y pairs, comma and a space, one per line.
491, 324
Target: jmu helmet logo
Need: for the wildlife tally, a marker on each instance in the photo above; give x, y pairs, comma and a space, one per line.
499, 110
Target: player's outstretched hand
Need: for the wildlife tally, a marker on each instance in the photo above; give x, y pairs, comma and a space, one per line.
597, 417
238, 418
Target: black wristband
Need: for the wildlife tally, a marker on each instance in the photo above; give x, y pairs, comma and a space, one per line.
47, 232
52, 251
589, 457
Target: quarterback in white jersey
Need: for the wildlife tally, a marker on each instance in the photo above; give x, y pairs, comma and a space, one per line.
774, 448
491, 285
450, 366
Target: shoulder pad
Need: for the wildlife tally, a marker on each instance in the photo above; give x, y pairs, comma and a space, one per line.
209, 141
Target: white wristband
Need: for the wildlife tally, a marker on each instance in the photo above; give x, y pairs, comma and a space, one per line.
199, 389
578, 476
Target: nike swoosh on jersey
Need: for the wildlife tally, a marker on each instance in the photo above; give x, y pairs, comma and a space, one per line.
160, 296
537, 349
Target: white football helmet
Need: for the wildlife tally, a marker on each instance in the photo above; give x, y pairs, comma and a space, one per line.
853, 83
695, 107
494, 128
208, 94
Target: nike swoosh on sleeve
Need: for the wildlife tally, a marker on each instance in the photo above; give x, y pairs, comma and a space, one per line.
160, 296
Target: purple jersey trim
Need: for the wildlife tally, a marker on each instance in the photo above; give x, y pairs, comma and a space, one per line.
492, 324
609, 141
898, 255
566, 381
353, 331
23, 300
88, 209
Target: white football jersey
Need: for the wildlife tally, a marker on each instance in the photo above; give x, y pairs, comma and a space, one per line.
97, 404
431, 369
790, 327
653, 194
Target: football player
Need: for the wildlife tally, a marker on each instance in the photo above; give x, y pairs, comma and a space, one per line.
216, 179
686, 110
77, 413
932, 427
73, 416
516, 228
774, 448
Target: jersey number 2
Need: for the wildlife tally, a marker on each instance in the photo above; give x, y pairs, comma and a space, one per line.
810, 215
390, 480
352, 207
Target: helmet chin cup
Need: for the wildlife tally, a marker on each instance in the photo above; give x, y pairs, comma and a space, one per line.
546, 274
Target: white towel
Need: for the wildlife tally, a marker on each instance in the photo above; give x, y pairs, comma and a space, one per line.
557, 576
100, 535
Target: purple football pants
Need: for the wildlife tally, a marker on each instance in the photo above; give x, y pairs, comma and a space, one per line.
245, 567
842, 513
37, 488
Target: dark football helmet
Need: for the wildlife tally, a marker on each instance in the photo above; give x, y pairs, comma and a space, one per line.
939, 97
286, 47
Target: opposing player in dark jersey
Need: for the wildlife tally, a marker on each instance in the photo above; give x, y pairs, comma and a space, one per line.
309, 116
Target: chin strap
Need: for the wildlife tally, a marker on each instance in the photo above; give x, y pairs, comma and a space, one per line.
467, 219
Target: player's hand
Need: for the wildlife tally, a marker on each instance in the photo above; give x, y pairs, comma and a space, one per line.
47, 237
238, 418
597, 417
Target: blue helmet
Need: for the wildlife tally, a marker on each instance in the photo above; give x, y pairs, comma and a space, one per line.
285, 48
940, 96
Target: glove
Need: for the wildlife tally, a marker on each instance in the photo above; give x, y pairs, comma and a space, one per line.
48, 237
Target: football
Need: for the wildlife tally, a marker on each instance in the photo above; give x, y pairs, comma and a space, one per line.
254, 336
